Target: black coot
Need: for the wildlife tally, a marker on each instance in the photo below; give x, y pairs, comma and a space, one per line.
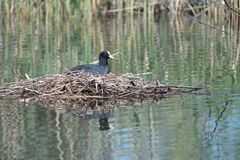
96, 69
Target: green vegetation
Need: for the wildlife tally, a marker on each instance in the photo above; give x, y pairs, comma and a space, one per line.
84, 8
190, 45
48, 36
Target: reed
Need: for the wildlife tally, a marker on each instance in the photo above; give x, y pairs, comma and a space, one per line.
67, 8
61, 46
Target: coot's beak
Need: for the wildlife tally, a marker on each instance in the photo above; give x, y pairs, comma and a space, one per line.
109, 55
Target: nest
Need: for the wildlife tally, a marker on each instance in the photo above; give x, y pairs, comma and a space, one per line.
85, 95
83, 86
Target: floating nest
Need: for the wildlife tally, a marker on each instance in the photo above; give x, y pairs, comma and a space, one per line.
79, 86
85, 95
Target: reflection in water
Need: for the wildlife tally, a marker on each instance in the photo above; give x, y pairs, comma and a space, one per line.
103, 117
89, 109
1, 52
103, 123
174, 49
160, 127
170, 47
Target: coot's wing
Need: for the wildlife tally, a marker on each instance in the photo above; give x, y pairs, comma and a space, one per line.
77, 68
96, 69
91, 68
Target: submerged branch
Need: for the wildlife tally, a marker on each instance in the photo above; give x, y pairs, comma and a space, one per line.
212, 131
220, 115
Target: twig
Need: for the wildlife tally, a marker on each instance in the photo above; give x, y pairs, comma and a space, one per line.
220, 115
185, 87
230, 7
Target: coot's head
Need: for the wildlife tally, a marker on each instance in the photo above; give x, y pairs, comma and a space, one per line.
103, 57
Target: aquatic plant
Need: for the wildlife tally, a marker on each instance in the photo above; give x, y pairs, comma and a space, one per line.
67, 8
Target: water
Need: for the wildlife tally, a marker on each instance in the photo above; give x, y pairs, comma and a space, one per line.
175, 49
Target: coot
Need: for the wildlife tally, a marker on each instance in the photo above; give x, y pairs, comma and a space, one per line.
96, 69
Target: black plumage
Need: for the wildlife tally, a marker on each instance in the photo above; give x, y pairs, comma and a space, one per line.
96, 69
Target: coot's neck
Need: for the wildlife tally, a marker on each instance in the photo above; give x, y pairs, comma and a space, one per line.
103, 61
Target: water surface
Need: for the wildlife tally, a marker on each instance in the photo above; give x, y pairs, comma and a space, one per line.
176, 50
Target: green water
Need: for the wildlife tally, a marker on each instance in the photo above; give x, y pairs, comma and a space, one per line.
176, 50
